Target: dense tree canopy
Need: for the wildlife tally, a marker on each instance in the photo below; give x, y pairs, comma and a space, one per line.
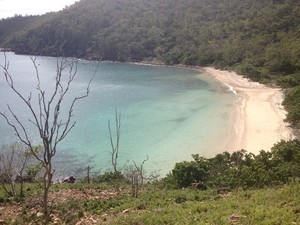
260, 39
241, 169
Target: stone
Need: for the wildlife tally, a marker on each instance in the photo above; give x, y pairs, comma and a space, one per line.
235, 217
39, 214
126, 211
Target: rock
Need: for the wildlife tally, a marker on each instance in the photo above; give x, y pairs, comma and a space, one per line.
126, 211
39, 214
79, 223
20, 179
223, 191
198, 185
92, 220
69, 180
235, 217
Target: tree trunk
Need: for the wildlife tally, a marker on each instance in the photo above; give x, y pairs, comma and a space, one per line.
45, 199
21, 185
47, 183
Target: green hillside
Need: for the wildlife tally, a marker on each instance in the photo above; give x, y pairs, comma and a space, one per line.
104, 204
260, 39
230, 188
264, 34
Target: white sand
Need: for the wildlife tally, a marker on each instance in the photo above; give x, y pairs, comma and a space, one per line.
259, 117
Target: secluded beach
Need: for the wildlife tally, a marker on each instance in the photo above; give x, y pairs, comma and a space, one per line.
259, 114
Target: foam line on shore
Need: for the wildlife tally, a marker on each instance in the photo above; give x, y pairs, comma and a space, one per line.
259, 117
231, 89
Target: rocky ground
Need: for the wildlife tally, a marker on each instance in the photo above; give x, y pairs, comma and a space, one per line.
11, 212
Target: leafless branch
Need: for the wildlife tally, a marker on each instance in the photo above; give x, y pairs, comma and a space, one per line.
115, 146
140, 169
47, 118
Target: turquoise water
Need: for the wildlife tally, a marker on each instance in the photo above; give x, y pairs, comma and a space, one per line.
167, 113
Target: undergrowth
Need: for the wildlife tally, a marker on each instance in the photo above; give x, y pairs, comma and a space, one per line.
100, 204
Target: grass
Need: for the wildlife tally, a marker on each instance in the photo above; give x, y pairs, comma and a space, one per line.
101, 204
266, 206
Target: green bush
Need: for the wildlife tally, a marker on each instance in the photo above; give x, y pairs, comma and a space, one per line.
240, 169
109, 177
292, 105
186, 173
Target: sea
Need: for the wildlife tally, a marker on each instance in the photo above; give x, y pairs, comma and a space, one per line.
166, 113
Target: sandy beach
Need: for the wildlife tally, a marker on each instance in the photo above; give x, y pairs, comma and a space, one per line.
259, 114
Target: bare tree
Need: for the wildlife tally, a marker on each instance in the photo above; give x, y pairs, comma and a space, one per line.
135, 174
46, 116
14, 159
7, 155
115, 145
140, 169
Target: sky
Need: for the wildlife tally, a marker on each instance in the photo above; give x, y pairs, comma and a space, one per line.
9, 8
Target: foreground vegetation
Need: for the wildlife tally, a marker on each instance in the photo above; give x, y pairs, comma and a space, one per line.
106, 204
237, 187
241, 169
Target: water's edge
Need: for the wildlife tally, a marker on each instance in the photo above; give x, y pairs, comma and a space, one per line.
163, 115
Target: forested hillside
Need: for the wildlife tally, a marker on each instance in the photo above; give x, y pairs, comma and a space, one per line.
260, 39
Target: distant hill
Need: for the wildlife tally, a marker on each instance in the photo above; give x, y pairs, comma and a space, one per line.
17, 25
264, 34
260, 39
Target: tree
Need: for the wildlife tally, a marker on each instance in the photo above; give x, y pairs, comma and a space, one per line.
115, 146
140, 169
46, 116
286, 155
15, 159
7, 160
133, 175
292, 105
186, 173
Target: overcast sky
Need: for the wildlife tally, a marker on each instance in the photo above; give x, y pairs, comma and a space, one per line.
9, 8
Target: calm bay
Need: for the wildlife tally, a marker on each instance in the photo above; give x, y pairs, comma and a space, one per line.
167, 113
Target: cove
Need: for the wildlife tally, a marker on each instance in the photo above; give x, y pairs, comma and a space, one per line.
167, 113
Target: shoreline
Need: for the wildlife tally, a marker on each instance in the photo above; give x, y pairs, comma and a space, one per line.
259, 115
